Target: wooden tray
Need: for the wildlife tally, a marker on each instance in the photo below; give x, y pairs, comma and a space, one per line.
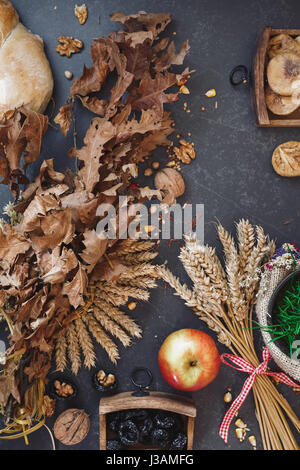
156, 401
264, 117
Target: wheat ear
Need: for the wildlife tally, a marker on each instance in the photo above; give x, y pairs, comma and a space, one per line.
61, 353
102, 338
111, 326
73, 348
85, 344
120, 317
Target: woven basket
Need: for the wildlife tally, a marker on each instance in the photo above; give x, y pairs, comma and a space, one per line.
269, 283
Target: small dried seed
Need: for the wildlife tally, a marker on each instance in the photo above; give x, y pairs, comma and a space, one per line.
252, 441
240, 434
132, 305
184, 90
68, 74
211, 93
148, 172
240, 424
227, 397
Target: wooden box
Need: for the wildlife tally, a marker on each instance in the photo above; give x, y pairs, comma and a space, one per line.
264, 117
156, 401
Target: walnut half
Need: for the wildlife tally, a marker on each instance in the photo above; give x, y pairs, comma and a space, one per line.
81, 13
68, 45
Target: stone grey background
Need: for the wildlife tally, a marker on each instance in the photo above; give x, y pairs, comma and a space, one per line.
232, 174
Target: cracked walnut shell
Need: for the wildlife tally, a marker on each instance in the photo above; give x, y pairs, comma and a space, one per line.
81, 13
68, 45
72, 426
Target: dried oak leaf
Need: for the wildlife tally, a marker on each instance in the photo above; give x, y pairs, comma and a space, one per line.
94, 104
12, 244
68, 45
8, 383
37, 209
150, 93
55, 265
81, 13
91, 80
154, 22
138, 58
95, 247
56, 228
64, 118
76, 288
171, 57
21, 133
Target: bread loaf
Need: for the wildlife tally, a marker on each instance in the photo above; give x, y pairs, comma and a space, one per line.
25, 73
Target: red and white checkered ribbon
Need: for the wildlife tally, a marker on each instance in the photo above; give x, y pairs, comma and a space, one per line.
245, 366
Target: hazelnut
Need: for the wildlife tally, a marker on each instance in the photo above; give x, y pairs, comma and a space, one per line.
155, 165
148, 172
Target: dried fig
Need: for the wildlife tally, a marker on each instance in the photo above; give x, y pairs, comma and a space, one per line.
72, 426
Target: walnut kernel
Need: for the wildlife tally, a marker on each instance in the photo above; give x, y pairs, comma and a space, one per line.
68, 45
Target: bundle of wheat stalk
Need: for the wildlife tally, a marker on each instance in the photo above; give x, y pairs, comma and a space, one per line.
101, 318
224, 300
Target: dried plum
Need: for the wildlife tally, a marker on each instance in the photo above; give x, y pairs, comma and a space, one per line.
114, 444
138, 415
165, 421
128, 433
160, 437
145, 429
114, 421
179, 442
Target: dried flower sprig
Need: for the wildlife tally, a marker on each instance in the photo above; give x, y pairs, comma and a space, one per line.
224, 300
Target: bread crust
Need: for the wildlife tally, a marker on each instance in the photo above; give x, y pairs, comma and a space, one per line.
25, 74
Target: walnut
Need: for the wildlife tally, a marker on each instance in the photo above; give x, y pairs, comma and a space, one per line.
170, 181
49, 405
68, 45
185, 152
63, 389
81, 13
104, 379
72, 426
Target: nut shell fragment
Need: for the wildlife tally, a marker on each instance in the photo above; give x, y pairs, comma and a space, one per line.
170, 181
286, 159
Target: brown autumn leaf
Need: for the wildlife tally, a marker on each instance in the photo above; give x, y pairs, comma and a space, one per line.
94, 104
95, 247
150, 94
76, 288
92, 79
138, 58
55, 265
37, 209
12, 244
8, 383
154, 22
56, 228
171, 57
64, 118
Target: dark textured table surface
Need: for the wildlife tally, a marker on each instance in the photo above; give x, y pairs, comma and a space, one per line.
232, 174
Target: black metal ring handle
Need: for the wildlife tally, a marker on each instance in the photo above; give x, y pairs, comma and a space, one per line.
141, 386
239, 75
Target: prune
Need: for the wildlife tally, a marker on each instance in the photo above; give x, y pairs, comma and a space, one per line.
128, 433
160, 437
114, 421
138, 415
179, 442
145, 429
165, 421
114, 444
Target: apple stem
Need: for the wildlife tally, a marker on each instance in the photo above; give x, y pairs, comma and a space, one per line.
193, 363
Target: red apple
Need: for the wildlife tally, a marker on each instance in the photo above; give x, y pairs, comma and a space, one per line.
189, 360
